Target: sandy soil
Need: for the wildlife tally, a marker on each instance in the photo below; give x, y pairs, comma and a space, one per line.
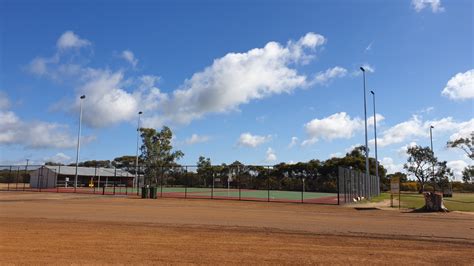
43, 228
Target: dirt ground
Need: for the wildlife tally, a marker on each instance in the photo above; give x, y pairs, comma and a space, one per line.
45, 228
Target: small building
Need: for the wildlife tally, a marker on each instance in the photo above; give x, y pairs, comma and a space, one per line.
63, 176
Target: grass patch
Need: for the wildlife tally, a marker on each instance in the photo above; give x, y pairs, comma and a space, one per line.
459, 201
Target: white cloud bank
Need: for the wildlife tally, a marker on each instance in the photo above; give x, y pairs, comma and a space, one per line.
415, 128
435, 5
230, 81
34, 134
249, 140
58, 158
336, 126
460, 87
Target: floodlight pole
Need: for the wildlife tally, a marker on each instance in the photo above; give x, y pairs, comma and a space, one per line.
431, 140
78, 140
138, 140
366, 142
376, 157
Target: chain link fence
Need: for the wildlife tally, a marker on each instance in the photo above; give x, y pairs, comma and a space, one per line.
355, 185
241, 182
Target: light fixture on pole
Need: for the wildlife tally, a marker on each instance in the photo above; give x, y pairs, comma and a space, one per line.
375, 135
366, 142
138, 140
78, 140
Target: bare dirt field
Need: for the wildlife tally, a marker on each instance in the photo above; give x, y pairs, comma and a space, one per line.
45, 228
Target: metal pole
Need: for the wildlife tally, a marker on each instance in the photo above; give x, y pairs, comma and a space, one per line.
78, 140
431, 139
138, 140
26, 172
376, 156
365, 123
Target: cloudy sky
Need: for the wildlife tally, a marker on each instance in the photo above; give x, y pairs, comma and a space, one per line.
253, 81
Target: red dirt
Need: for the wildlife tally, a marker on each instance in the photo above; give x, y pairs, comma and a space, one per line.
41, 228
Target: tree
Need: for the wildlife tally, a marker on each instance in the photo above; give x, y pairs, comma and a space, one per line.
204, 170
465, 144
420, 163
156, 152
468, 174
441, 175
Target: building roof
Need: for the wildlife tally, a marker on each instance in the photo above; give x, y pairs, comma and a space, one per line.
88, 171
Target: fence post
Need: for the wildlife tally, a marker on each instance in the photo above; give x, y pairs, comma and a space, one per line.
138, 180
268, 183
115, 178
95, 174
186, 180
213, 181
337, 184
26, 173
9, 175
17, 177
238, 180
302, 190
161, 180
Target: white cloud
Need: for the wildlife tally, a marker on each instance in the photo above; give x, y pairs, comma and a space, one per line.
368, 69
249, 140
293, 142
70, 40
270, 156
336, 126
379, 119
330, 74
195, 138
230, 81
34, 134
238, 78
106, 103
58, 158
457, 166
402, 151
460, 87
391, 166
414, 128
435, 5
128, 56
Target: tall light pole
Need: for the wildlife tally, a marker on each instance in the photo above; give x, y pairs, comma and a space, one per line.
78, 140
366, 142
375, 135
138, 139
431, 139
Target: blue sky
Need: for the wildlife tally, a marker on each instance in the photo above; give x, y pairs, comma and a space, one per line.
256, 81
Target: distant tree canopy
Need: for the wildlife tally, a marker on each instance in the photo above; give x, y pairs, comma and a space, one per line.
93, 163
